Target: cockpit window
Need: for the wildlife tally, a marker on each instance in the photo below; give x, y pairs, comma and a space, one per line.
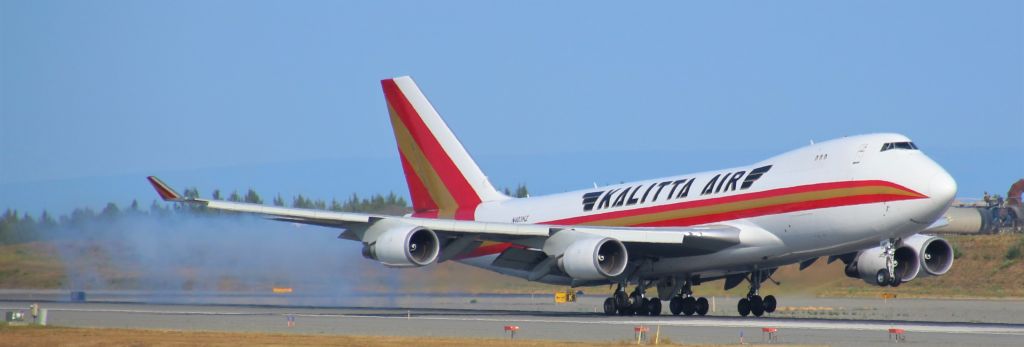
898, 145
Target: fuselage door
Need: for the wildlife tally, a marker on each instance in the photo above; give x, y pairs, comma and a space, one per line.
859, 156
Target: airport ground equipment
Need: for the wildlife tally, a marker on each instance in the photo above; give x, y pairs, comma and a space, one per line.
992, 215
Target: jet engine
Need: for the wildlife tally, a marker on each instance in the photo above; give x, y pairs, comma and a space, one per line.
936, 253
869, 265
591, 257
403, 245
932, 254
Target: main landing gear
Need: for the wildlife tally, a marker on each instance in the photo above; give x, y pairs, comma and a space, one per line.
635, 303
685, 303
754, 303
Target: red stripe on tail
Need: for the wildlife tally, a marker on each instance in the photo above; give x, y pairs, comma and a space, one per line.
453, 179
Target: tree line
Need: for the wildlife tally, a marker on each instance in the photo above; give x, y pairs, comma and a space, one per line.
18, 227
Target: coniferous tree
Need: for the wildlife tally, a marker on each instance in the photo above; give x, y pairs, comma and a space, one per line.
110, 211
253, 198
192, 193
521, 191
336, 206
46, 220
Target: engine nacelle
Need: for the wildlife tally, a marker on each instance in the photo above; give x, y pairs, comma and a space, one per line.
403, 245
594, 258
869, 265
935, 253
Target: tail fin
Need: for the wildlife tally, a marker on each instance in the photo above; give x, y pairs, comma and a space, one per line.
443, 180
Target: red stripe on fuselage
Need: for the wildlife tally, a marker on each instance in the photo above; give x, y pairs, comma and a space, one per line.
776, 209
729, 199
732, 215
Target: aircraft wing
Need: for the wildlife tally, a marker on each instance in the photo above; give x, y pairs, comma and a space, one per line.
654, 241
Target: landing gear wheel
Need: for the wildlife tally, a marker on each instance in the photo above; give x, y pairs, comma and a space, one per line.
609, 307
702, 306
769, 303
895, 281
625, 311
689, 305
744, 307
882, 278
636, 301
756, 305
654, 307
621, 300
676, 305
644, 305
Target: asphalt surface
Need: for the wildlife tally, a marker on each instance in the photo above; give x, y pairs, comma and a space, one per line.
538, 318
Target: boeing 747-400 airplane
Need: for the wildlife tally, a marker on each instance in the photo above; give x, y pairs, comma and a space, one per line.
864, 200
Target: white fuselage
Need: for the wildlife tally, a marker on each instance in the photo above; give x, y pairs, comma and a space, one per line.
827, 198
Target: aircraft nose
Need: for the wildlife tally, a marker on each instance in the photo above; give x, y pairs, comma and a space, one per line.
942, 187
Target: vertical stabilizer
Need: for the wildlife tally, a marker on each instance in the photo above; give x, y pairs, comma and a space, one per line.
443, 180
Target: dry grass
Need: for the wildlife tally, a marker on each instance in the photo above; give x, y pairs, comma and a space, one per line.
31, 265
981, 271
57, 336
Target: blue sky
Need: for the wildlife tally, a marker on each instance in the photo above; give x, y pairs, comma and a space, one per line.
284, 96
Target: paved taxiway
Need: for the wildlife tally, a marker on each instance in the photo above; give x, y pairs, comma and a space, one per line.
487, 320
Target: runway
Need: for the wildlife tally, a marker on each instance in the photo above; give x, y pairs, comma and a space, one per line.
488, 320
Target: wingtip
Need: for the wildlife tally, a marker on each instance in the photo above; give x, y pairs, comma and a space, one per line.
165, 191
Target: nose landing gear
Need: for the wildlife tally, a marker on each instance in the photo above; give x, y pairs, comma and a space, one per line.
888, 275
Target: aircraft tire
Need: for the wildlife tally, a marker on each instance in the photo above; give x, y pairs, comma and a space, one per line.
676, 305
770, 303
636, 302
621, 300
654, 307
702, 306
882, 278
689, 305
756, 305
743, 307
644, 305
609, 307
895, 281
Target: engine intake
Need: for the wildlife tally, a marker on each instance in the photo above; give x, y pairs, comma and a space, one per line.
403, 245
936, 253
594, 258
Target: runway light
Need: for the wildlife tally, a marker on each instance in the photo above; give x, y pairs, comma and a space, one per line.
897, 333
640, 332
511, 330
771, 333
282, 290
